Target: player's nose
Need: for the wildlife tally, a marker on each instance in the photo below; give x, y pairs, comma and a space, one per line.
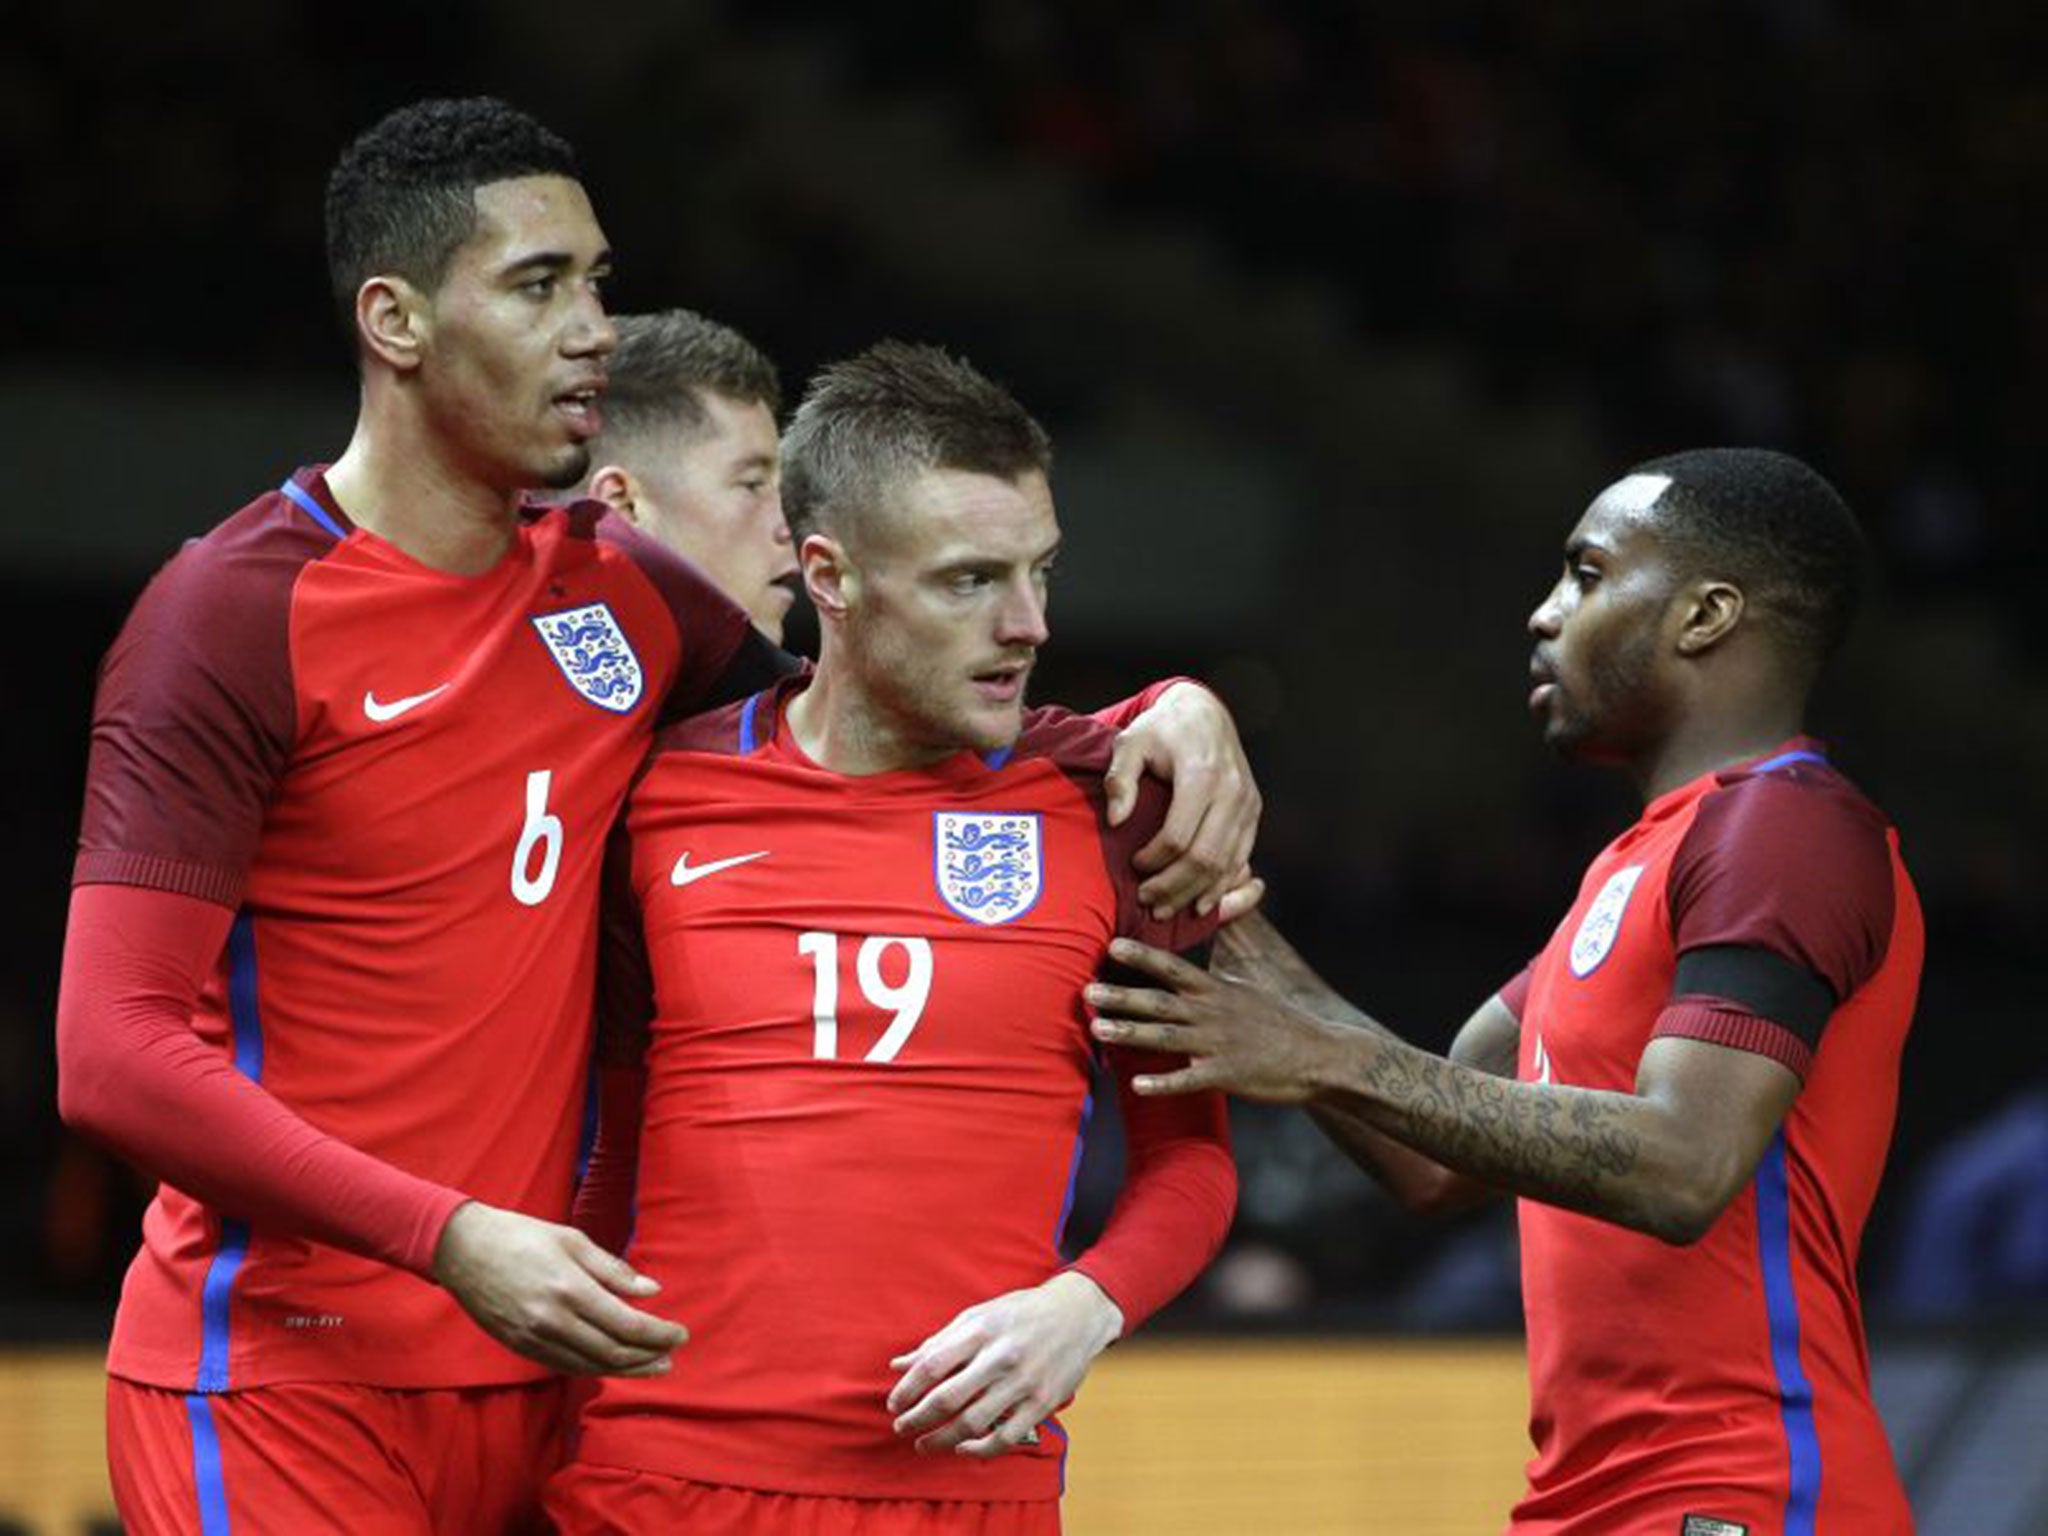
1022, 621
590, 332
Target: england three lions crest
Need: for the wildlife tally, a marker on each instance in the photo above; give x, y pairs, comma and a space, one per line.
594, 655
989, 865
1603, 921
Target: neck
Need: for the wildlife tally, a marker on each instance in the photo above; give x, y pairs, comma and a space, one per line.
1702, 746
402, 484
840, 727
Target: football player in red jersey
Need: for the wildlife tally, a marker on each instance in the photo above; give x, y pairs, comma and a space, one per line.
1692, 1087
858, 912
690, 453
332, 938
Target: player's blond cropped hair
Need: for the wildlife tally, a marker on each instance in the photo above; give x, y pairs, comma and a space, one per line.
664, 366
870, 423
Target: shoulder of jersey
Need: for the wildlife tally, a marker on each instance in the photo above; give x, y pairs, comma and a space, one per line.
1078, 744
265, 542
581, 515
716, 731
1784, 796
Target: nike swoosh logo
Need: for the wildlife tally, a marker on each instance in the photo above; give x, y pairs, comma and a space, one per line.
380, 712
685, 871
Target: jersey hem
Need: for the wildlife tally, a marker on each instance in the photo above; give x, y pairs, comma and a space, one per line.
641, 1447
181, 1377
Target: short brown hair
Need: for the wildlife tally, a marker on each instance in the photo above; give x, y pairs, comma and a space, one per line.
664, 365
897, 410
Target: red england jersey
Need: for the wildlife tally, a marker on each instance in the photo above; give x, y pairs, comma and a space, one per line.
401, 782
1726, 1381
866, 1086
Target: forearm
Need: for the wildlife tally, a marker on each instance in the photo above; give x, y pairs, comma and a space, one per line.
134, 1075
1412, 1176
1612, 1155
1175, 1207
1253, 949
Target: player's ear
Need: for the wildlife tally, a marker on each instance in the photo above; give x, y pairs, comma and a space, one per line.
831, 579
1710, 611
393, 321
617, 489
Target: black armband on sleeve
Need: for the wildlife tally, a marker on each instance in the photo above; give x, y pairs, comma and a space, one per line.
1760, 980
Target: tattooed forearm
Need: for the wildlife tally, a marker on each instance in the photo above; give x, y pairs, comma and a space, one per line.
1569, 1146
1252, 948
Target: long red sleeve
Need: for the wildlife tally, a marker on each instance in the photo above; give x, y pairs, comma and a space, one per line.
1179, 1194
133, 1074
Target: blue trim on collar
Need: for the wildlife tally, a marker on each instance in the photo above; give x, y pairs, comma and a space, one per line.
1786, 759
312, 508
747, 713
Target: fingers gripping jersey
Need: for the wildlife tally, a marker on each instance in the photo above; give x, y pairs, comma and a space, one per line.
402, 781
1727, 1379
866, 1086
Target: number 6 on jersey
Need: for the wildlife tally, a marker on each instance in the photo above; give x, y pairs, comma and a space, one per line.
905, 1001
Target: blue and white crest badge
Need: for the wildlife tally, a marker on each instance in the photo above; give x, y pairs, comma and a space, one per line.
1603, 921
989, 865
595, 655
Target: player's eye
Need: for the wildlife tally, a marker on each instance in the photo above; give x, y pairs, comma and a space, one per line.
540, 287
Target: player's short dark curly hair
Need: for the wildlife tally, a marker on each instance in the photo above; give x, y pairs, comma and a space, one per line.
665, 363
1774, 527
893, 411
401, 199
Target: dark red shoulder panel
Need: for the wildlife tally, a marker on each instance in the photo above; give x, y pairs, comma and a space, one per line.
709, 625
1796, 862
196, 712
722, 730
1080, 746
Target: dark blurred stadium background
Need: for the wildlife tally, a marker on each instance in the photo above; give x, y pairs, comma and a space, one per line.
1339, 314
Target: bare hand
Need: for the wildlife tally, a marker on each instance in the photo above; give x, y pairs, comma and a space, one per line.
1237, 1038
1203, 849
552, 1294
983, 1384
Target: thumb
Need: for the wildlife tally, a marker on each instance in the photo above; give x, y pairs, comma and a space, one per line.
608, 1269
1246, 891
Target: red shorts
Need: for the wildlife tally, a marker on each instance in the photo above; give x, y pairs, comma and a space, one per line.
332, 1456
585, 1500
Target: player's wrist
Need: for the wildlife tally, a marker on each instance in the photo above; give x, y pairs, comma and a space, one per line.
1083, 1291
1338, 1061
457, 1236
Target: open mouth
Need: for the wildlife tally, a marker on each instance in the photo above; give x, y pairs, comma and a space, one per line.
580, 408
1003, 685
